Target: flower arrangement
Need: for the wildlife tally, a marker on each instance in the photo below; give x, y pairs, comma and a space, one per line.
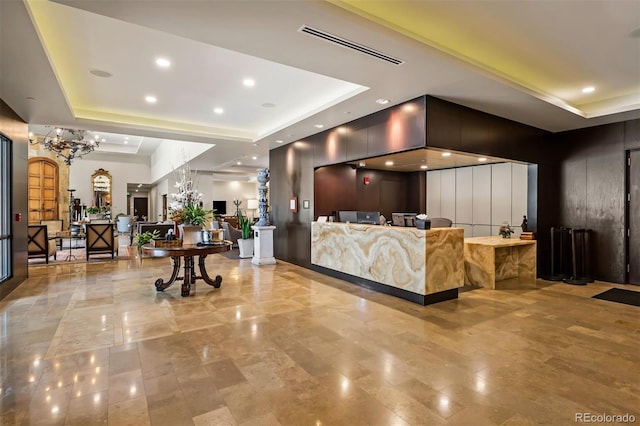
185, 207
505, 230
93, 210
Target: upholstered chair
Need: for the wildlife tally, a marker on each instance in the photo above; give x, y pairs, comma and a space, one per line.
54, 227
101, 239
440, 222
39, 244
230, 233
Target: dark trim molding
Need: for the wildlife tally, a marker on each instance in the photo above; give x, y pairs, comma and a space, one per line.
387, 289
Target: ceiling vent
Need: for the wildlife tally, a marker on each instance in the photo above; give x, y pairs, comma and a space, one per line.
348, 44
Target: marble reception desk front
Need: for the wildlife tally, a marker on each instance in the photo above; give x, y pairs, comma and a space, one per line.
407, 262
495, 262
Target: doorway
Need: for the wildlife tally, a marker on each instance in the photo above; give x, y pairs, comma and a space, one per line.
633, 217
43, 189
140, 208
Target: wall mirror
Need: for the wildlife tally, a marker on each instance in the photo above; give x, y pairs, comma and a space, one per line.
101, 187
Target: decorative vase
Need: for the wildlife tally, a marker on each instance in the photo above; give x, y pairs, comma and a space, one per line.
246, 247
191, 234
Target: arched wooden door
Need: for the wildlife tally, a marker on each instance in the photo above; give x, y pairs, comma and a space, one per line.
43, 189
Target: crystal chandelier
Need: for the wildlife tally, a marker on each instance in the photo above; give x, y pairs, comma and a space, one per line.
66, 143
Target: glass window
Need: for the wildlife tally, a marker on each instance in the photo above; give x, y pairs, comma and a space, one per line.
6, 258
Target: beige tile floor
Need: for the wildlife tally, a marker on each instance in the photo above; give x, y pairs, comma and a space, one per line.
85, 344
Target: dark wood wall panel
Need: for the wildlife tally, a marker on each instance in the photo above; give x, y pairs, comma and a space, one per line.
357, 135
592, 191
397, 129
335, 189
16, 129
291, 170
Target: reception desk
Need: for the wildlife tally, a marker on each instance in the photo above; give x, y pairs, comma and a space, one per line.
496, 262
424, 266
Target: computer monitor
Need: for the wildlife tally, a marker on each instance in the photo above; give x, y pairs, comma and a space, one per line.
397, 219
403, 219
220, 208
348, 216
370, 218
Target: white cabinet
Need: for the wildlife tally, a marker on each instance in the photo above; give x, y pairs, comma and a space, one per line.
479, 198
464, 193
447, 194
518, 193
500, 193
433, 193
482, 196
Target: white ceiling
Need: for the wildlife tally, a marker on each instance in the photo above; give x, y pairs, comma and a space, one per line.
549, 51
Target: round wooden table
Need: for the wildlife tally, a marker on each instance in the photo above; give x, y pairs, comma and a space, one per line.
188, 252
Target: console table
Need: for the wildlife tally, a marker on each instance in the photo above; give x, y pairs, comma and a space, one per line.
187, 252
496, 261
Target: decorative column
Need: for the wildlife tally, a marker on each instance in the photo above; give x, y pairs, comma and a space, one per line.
262, 231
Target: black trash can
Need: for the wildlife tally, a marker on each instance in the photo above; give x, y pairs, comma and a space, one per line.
580, 271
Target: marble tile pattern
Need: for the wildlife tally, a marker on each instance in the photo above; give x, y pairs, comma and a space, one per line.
94, 343
423, 262
493, 261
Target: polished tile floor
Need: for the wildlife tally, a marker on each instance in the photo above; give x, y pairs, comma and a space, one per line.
87, 344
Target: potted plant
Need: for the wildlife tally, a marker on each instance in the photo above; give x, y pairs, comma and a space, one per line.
192, 218
245, 244
93, 212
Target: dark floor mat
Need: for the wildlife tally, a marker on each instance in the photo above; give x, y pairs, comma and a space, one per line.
619, 295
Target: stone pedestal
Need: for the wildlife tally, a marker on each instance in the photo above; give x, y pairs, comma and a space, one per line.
263, 245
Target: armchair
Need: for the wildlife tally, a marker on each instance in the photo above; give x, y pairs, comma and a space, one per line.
54, 226
101, 239
39, 244
230, 233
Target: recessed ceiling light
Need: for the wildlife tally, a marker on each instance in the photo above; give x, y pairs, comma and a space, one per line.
482, 159
163, 62
279, 141
126, 141
588, 89
388, 163
218, 110
254, 158
382, 101
424, 167
249, 82
150, 99
268, 105
446, 154
104, 140
139, 185
239, 163
100, 73
319, 126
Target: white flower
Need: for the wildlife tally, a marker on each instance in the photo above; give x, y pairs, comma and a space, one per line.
422, 216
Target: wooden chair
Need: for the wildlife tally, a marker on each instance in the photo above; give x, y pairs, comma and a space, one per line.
39, 244
440, 222
101, 239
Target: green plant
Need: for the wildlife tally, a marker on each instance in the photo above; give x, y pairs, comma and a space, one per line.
92, 210
146, 237
194, 215
245, 226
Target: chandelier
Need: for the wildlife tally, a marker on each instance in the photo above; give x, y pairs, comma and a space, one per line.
66, 143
